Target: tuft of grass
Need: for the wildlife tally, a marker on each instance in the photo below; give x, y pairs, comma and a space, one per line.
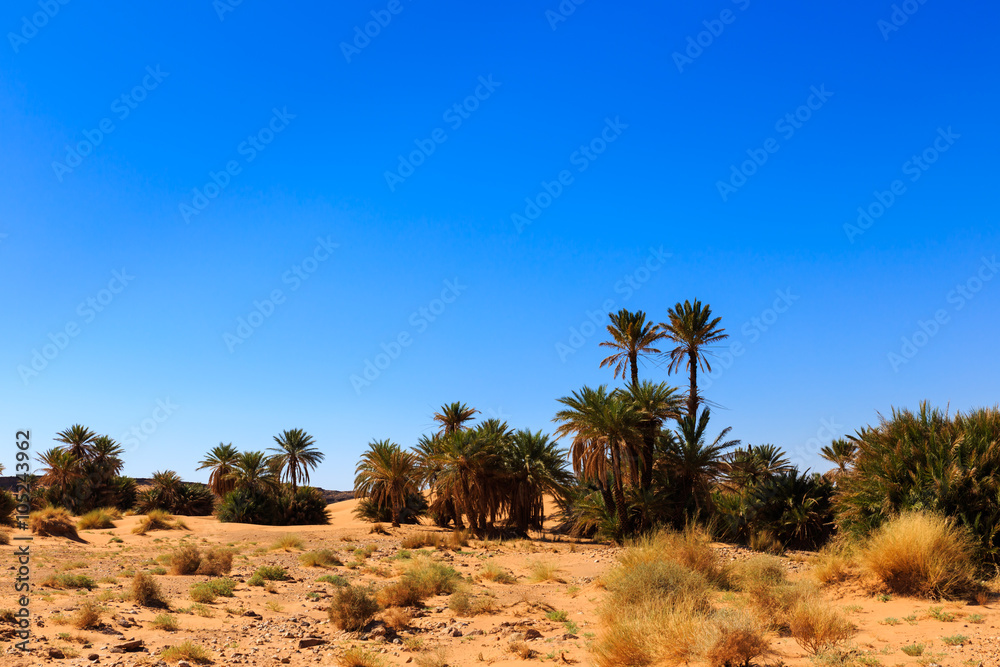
268, 573
99, 519
429, 577
955, 640
146, 591
69, 581
765, 541
818, 628
189, 651
543, 571
665, 580
353, 607
975, 618
207, 591
493, 572
333, 579
185, 560
464, 604
320, 558
52, 522
890, 621
397, 618
289, 542
525, 652
359, 657
87, 616
691, 548
922, 554
216, 562
557, 615
158, 520
165, 622
739, 639
399, 594
913, 650
939, 614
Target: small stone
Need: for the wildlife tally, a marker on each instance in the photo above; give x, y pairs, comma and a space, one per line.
455, 632
56, 654
531, 633
93, 657
309, 642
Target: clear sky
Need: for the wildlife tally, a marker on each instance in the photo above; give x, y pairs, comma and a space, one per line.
477, 181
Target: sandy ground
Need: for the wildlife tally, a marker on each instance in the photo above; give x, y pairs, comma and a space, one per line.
258, 627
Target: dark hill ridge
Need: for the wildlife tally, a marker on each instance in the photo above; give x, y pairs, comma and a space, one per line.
10, 483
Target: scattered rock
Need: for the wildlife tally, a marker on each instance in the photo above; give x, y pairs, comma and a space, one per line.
128, 647
56, 654
309, 642
531, 633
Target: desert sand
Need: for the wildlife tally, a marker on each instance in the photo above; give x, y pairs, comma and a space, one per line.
259, 627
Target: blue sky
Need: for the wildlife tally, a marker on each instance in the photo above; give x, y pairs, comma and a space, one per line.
713, 150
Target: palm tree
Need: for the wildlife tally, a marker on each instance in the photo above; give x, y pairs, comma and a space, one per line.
221, 460
692, 329
603, 426
78, 440
168, 486
453, 416
61, 469
841, 453
632, 336
468, 463
534, 466
387, 475
654, 403
692, 464
746, 468
255, 473
106, 456
296, 454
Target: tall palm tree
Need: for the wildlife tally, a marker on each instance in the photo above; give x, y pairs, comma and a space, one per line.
106, 456
78, 440
693, 330
654, 403
221, 460
60, 468
692, 464
534, 466
747, 468
632, 336
255, 473
603, 426
468, 463
296, 454
387, 475
168, 486
453, 416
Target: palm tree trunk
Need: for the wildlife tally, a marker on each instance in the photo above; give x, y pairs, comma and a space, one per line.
634, 361
609, 500
692, 402
619, 492
395, 513
648, 447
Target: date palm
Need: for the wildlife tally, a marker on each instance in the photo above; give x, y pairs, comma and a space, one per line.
106, 456
78, 440
693, 331
841, 453
603, 427
654, 403
296, 454
747, 468
221, 460
453, 416
168, 487
387, 475
467, 463
534, 466
632, 336
60, 468
255, 473
692, 464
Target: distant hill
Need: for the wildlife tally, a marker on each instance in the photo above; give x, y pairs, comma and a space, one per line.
10, 483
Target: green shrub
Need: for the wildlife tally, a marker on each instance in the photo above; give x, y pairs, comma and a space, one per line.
353, 607
8, 505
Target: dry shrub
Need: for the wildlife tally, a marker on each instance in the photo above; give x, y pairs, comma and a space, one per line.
493, 572
922, 554
438, 658
651, 633
834, 563
320, 558
543, 571
87, 616
187, 650
185, 560
739, 638
464, 604
422, 539
765, 541
658, 580
158, 520
429, 577
771, 596
54, 522
817, 627
691, 548
397, 618
289, 542
216, 562
353, 607
399, 594
378, 529
458, 539
4, 537
522, 650
146, 592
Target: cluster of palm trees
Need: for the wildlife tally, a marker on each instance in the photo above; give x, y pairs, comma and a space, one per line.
84, 472
257, 487
476, 476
